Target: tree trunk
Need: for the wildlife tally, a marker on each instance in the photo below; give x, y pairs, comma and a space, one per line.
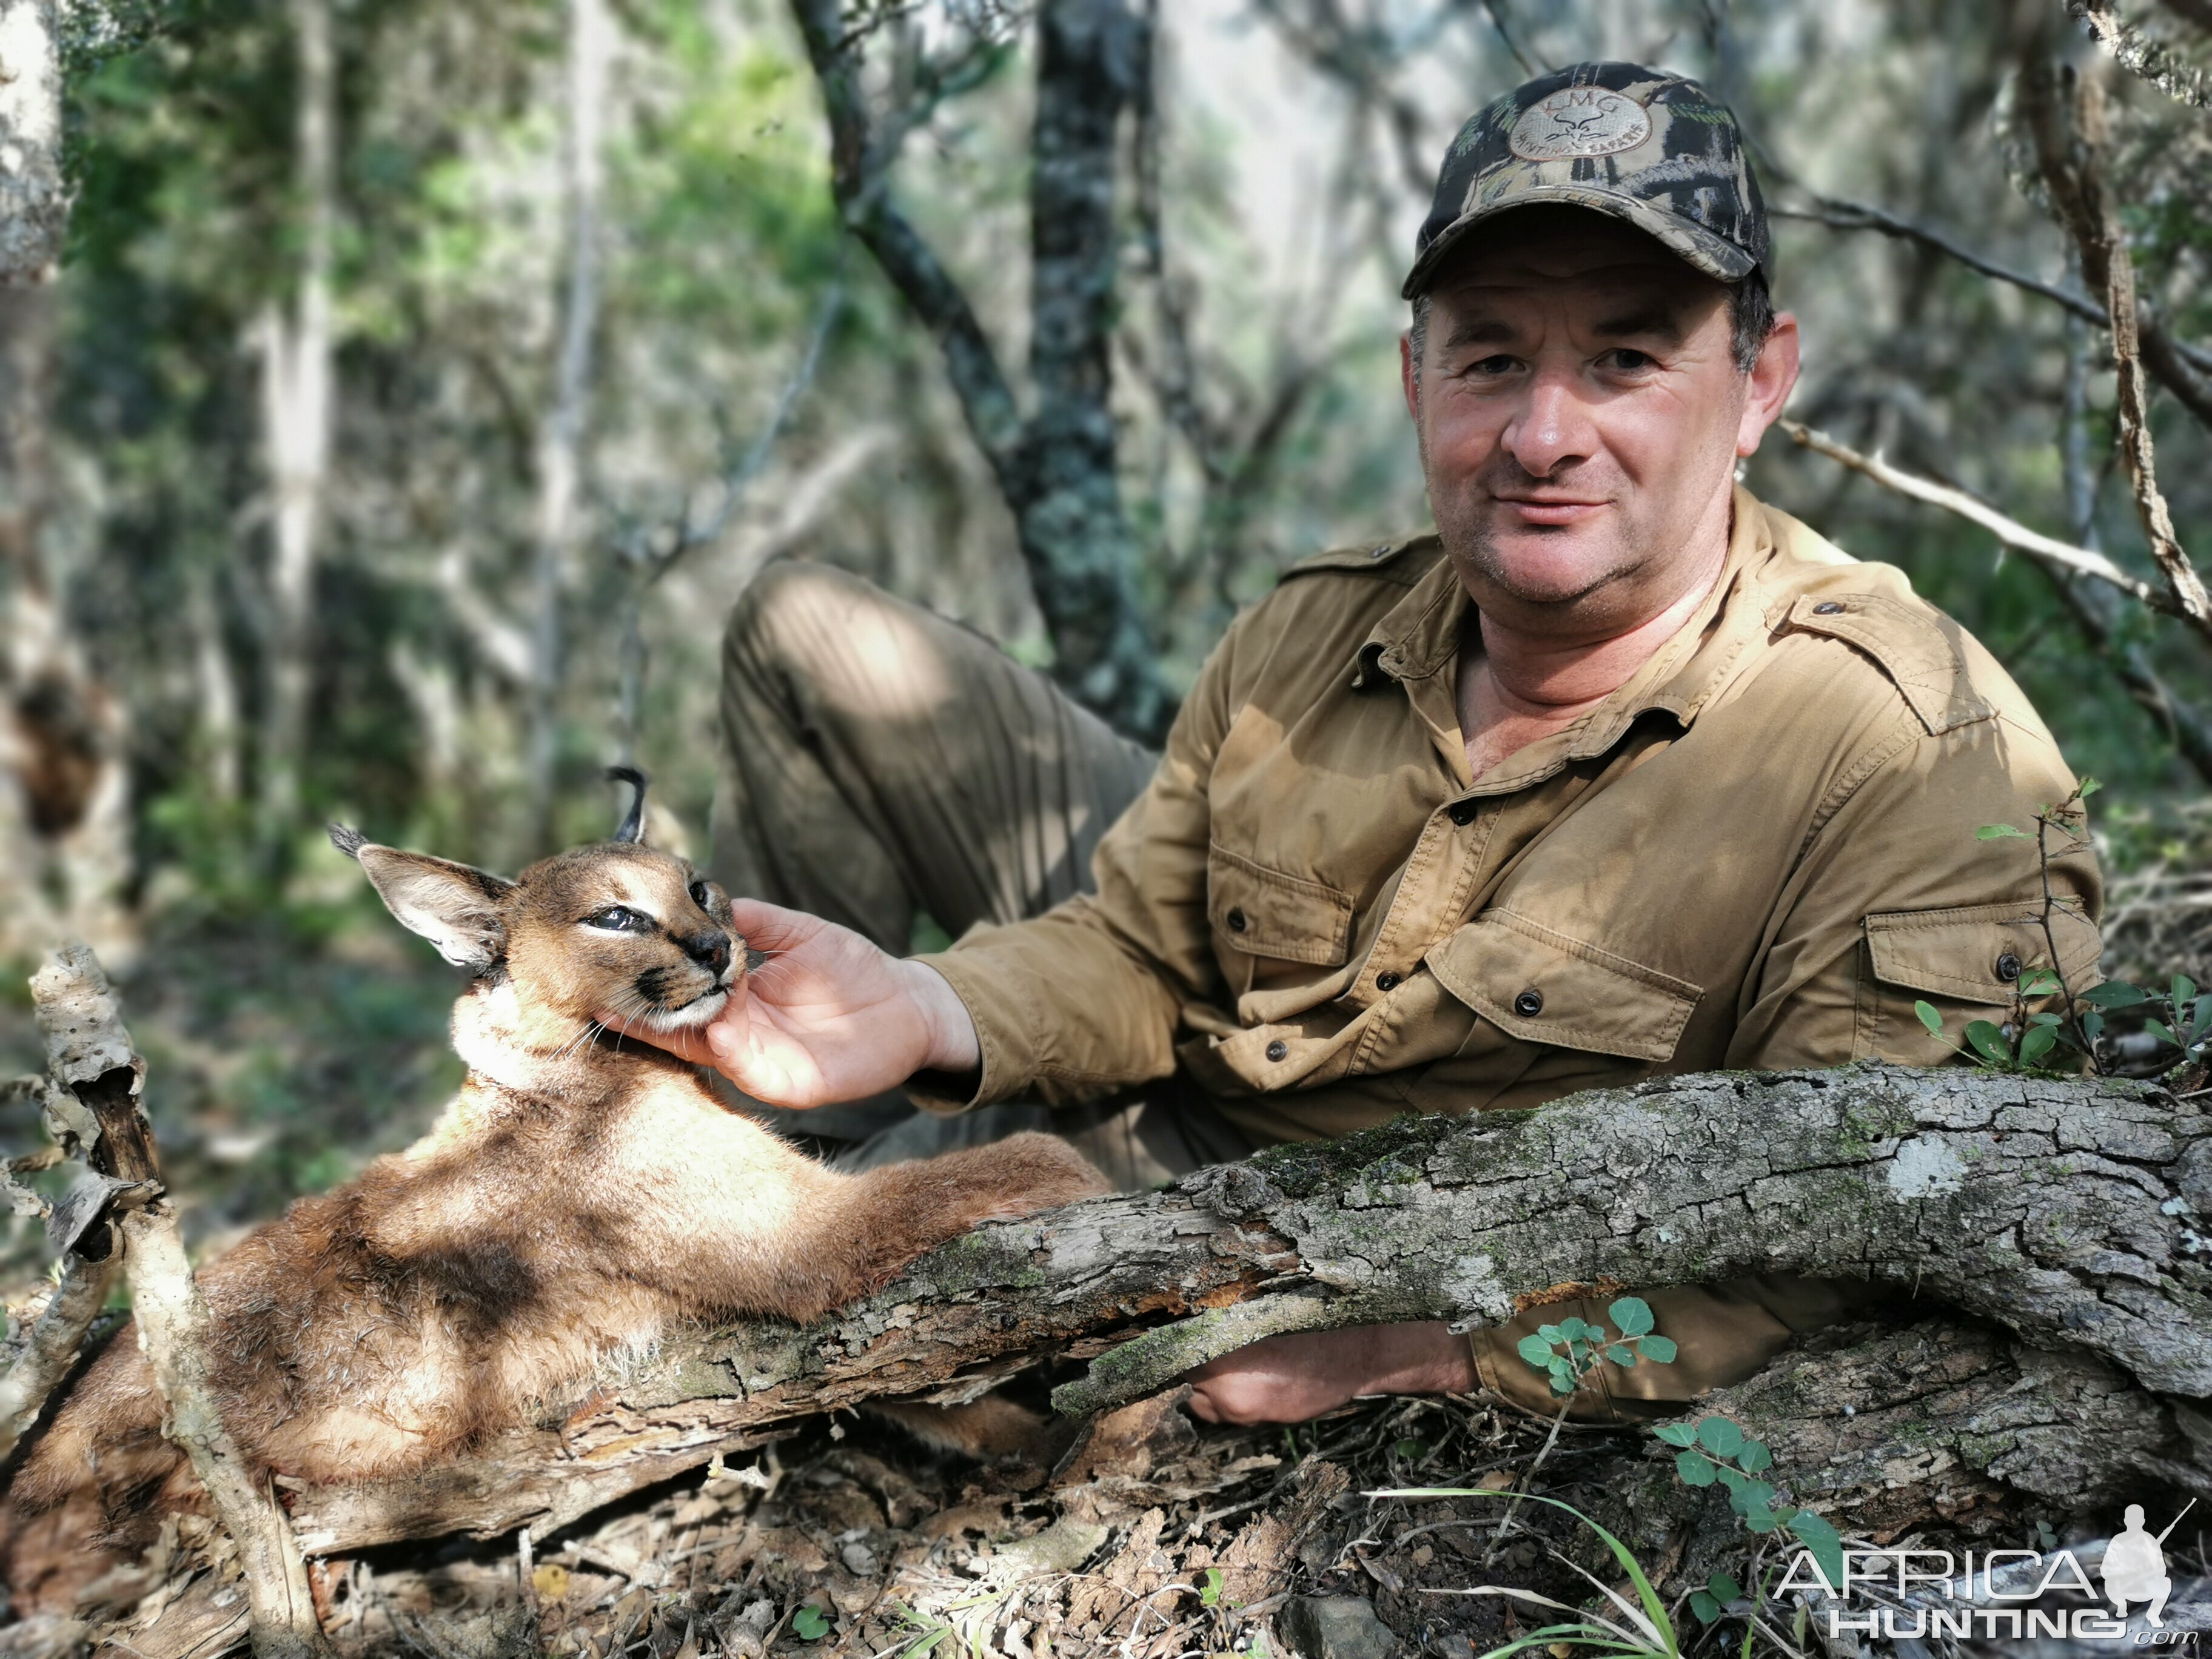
63, 799
561, 445
1057, 469
2067, 1212
297, 400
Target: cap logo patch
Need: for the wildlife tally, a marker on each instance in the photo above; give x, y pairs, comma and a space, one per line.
1579, 121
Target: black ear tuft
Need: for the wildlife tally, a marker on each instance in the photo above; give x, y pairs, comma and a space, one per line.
347, 840
633, 824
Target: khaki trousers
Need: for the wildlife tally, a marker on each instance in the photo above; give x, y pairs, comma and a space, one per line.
881, 765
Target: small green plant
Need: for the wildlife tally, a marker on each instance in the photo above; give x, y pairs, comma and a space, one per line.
1721, 1592
1638, 1629
1209, 1588
1715, 1451
1571, 1350
809, 1624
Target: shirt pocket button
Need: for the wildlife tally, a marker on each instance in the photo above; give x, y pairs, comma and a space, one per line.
1279, 1050
1389, 982
1236, 921
1529, 1004
1461, 812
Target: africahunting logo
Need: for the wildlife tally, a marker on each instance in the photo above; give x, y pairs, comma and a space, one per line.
1963, 1593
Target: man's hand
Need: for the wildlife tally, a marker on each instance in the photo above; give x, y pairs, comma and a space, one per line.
827, 1017
1289, 1379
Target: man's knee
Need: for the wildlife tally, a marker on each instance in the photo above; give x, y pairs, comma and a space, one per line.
838, 641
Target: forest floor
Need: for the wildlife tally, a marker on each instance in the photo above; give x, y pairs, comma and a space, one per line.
1158, 1537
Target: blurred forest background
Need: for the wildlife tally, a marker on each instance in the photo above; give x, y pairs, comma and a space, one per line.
420, 383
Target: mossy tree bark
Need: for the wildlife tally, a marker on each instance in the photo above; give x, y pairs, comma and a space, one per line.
2052, 1228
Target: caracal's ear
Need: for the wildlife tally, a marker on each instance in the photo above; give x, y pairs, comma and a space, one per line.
460, 909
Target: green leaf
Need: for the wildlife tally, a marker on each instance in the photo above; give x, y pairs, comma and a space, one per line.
1989, 1041
2036, 1044
2089, 787
928, 1644
2157, 1029
1676, 1434
2092, 1026
2114, 993
1929, 1017
1572, 1327
808, 1624
1621, 1354
1209, 1587
2000, 832
1760, 1519
1633, 1314
1408, 1447
2044, 1020
1720, 1436
1562, 1384
1731, 1477
1755, 1456
2038, 983
1659, 1350
1533, 1349
1821, 1541
1704, 1607
1695, 1469
1725, 1590
1550, 1333
2185, 990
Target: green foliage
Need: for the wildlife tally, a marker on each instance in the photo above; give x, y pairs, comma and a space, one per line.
1209, 1588
1637, 1629
809, 1624
1568, 1351
1715, 1451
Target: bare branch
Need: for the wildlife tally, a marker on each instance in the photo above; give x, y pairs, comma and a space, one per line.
56, 1340
2182, 367
1497, 10
93, 1061
2136, 52
2047, 549
2067, 139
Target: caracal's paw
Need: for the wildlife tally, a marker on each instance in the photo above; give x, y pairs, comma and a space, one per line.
1028, 1172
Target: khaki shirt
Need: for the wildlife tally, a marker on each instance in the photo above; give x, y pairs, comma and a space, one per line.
1758, 853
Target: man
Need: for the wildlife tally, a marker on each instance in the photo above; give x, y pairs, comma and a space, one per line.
1619, 773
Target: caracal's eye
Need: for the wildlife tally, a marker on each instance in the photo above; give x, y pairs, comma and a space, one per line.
620, 919
700, 896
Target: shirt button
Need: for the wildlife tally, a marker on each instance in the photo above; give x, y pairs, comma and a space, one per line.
1529, 1004
1278, 1049
1389, 982
2007, 967
1826, 608
1461, 812
1236, 921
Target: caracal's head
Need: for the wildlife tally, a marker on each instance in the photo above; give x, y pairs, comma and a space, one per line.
617, 929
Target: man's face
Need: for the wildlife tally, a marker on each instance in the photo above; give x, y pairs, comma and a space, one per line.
1581, 414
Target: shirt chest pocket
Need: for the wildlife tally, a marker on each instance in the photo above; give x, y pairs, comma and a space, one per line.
1254, 911
1542, 986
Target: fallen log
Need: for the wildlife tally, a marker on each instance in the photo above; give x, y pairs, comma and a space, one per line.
2067, 1212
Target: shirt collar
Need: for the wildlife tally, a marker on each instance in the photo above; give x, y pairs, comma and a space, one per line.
1420, 635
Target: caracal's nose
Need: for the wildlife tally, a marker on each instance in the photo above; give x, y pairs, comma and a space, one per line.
710, 950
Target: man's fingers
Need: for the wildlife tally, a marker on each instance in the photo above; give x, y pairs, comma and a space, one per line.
770, 926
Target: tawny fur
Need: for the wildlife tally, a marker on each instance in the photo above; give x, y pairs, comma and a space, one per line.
579, 1196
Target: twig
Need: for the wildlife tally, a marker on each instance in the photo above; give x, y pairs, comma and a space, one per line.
2068, 133
2147, 59
93, 1059
1497, 11
2047, 549
57, 1338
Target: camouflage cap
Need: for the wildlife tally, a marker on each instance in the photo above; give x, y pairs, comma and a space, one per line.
1644, 146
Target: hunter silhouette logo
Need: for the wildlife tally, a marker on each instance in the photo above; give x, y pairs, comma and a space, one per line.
2134, 1566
